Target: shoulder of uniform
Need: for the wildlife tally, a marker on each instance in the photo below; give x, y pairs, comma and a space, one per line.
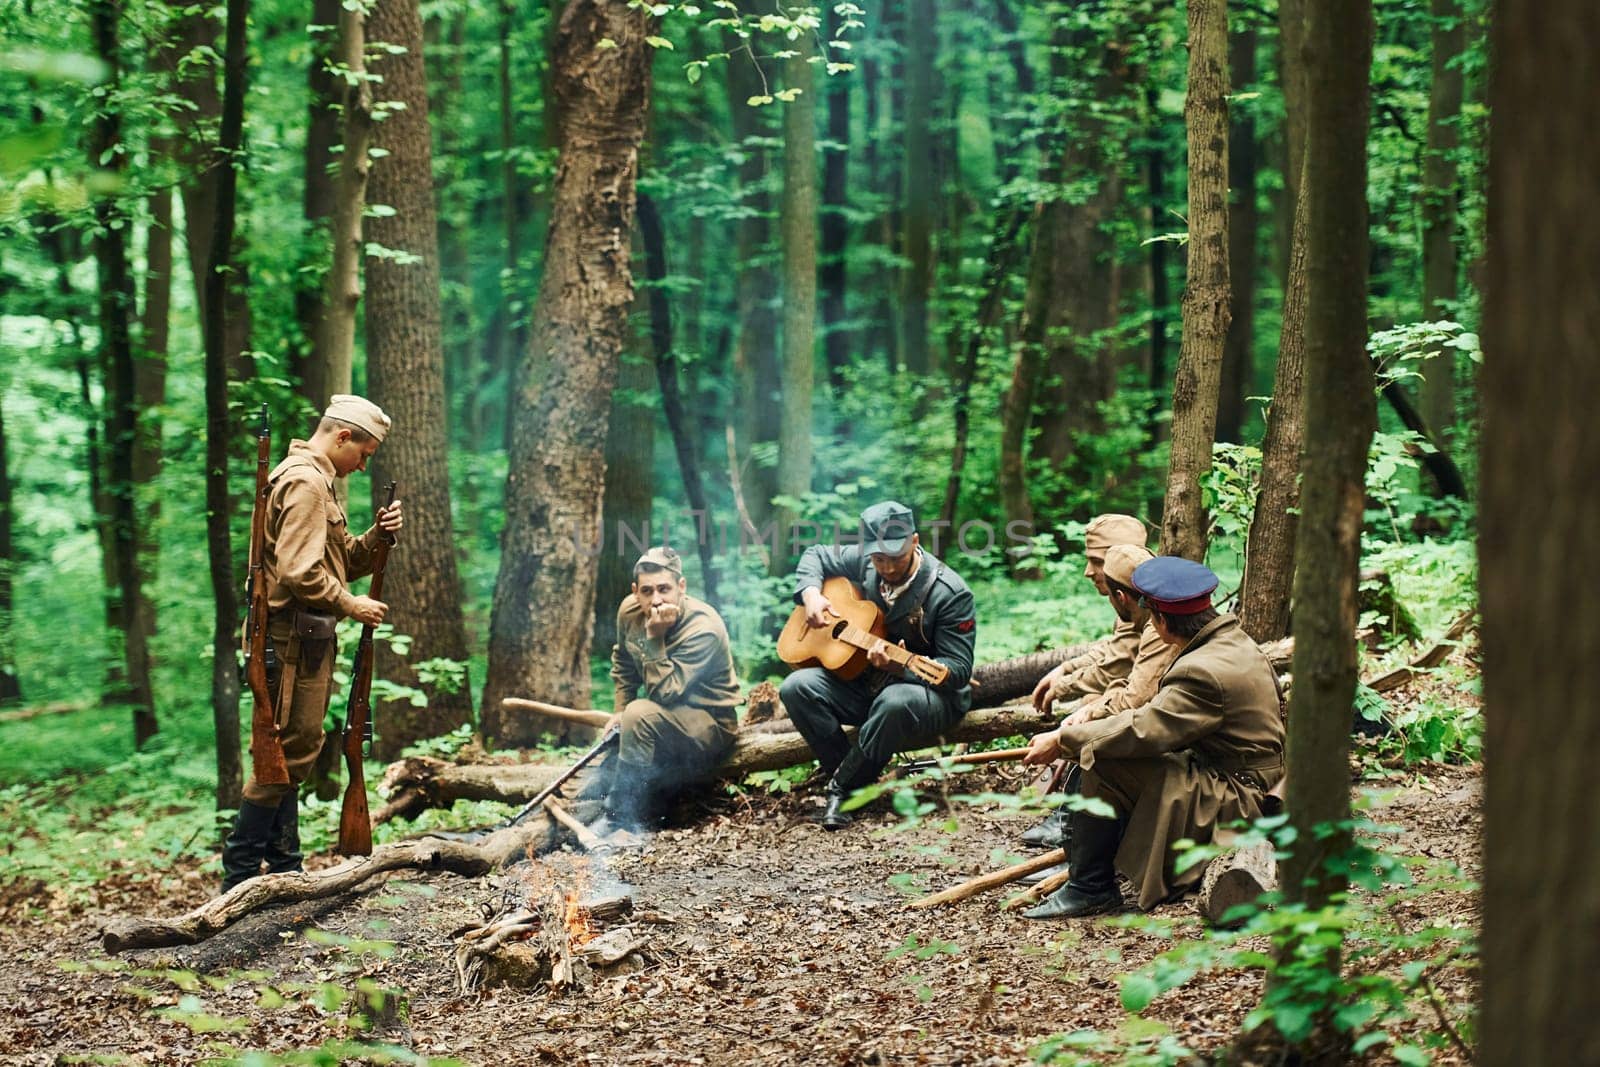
705, 614
296, 469
951, 580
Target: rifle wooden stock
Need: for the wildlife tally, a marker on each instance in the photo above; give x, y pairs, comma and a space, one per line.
355, 821
267, 763
598, 719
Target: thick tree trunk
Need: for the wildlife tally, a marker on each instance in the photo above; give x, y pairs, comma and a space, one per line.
328, 369
117, 307
918, 207
1016, 410
1339, 422
1540, 523
1292, 78
835, 225
1238, 360
10, 680
1264, 603
150, 397
799, 235
679, 420
1184, 524
1440, 209
219, 424
544, 595
405, 375
325, 92
757, 378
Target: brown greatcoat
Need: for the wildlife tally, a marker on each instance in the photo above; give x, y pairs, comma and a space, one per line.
1199, 755
678, 694
309, 557
1096, 670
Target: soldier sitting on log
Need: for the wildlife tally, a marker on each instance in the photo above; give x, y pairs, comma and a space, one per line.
1139, 687
1101, 675
927, 609
1202, 753
677, 693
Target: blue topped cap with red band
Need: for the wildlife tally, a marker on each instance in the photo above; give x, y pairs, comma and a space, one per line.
1174, 585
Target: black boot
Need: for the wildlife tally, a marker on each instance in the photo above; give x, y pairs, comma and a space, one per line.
830, 750
283, 845
1051, 833
627, 807
247, 844
1093, 862
855, 771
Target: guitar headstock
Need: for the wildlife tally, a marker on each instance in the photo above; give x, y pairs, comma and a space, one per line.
929, 671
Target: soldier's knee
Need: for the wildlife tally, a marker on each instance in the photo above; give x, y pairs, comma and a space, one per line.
640, 714
800, 688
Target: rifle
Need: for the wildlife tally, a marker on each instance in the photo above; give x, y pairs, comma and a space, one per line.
355, 823
266, 747
1002, 755
613, 732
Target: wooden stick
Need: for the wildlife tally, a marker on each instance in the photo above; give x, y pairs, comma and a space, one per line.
60, 708
1432, 658
588, 717
999, 755
585, 836
1037, 891
1005, 876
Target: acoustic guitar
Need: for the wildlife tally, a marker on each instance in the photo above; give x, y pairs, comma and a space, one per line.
841, 647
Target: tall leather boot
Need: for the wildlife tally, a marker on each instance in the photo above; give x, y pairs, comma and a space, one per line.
855, 771
246, 846
628, 804
1056, 829
283, 844
1092, 859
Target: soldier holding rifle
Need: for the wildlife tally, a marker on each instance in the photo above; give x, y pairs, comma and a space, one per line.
308, 557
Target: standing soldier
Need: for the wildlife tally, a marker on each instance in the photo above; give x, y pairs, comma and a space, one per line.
308, 558
677, 692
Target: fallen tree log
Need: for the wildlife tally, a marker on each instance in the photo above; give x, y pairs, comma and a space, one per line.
1234, 878
428, 854
1432, 658
1006, 680
63, 707
992, 880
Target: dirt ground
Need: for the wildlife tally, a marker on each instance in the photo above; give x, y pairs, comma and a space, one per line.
767, 942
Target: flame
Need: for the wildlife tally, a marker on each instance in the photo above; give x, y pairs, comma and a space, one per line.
579, 930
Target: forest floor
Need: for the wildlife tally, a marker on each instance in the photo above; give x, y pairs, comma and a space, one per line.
769, 942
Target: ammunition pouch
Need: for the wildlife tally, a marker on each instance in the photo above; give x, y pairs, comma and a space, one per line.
314, 631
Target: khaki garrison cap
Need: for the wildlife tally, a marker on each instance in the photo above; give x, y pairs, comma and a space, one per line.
1108, 530
360, 412
1121, 561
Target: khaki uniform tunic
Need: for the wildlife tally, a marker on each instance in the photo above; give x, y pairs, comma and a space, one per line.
309, 557
1201, 754
1139, 687
1096, 670
678, 693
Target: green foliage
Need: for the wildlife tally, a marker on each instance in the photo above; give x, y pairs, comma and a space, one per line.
1335, 965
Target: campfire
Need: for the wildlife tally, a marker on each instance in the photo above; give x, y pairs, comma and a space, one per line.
556, 924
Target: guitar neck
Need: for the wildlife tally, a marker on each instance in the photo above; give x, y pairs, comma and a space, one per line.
929, 671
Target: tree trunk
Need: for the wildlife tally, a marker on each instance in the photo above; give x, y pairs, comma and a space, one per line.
118, 305
219, 424
1184, 525
1292, 78
1264, 604
1238, 360
918, 209
1540, 523
10, 680
679, 419
1340, 416
150, 397
755, 355
325, 92
799, 236
328, 370
405, 376
544, 595
1440, 208
1016, 408
195, 32
835, 224
1160, 283
630, 482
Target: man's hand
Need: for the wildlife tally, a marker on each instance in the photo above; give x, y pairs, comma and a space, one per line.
819, 609
878, 656
1078, 718
660, 619
369, 612
1044, 748
389, 519
1041, 692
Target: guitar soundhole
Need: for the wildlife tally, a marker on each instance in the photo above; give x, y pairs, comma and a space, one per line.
838, 628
